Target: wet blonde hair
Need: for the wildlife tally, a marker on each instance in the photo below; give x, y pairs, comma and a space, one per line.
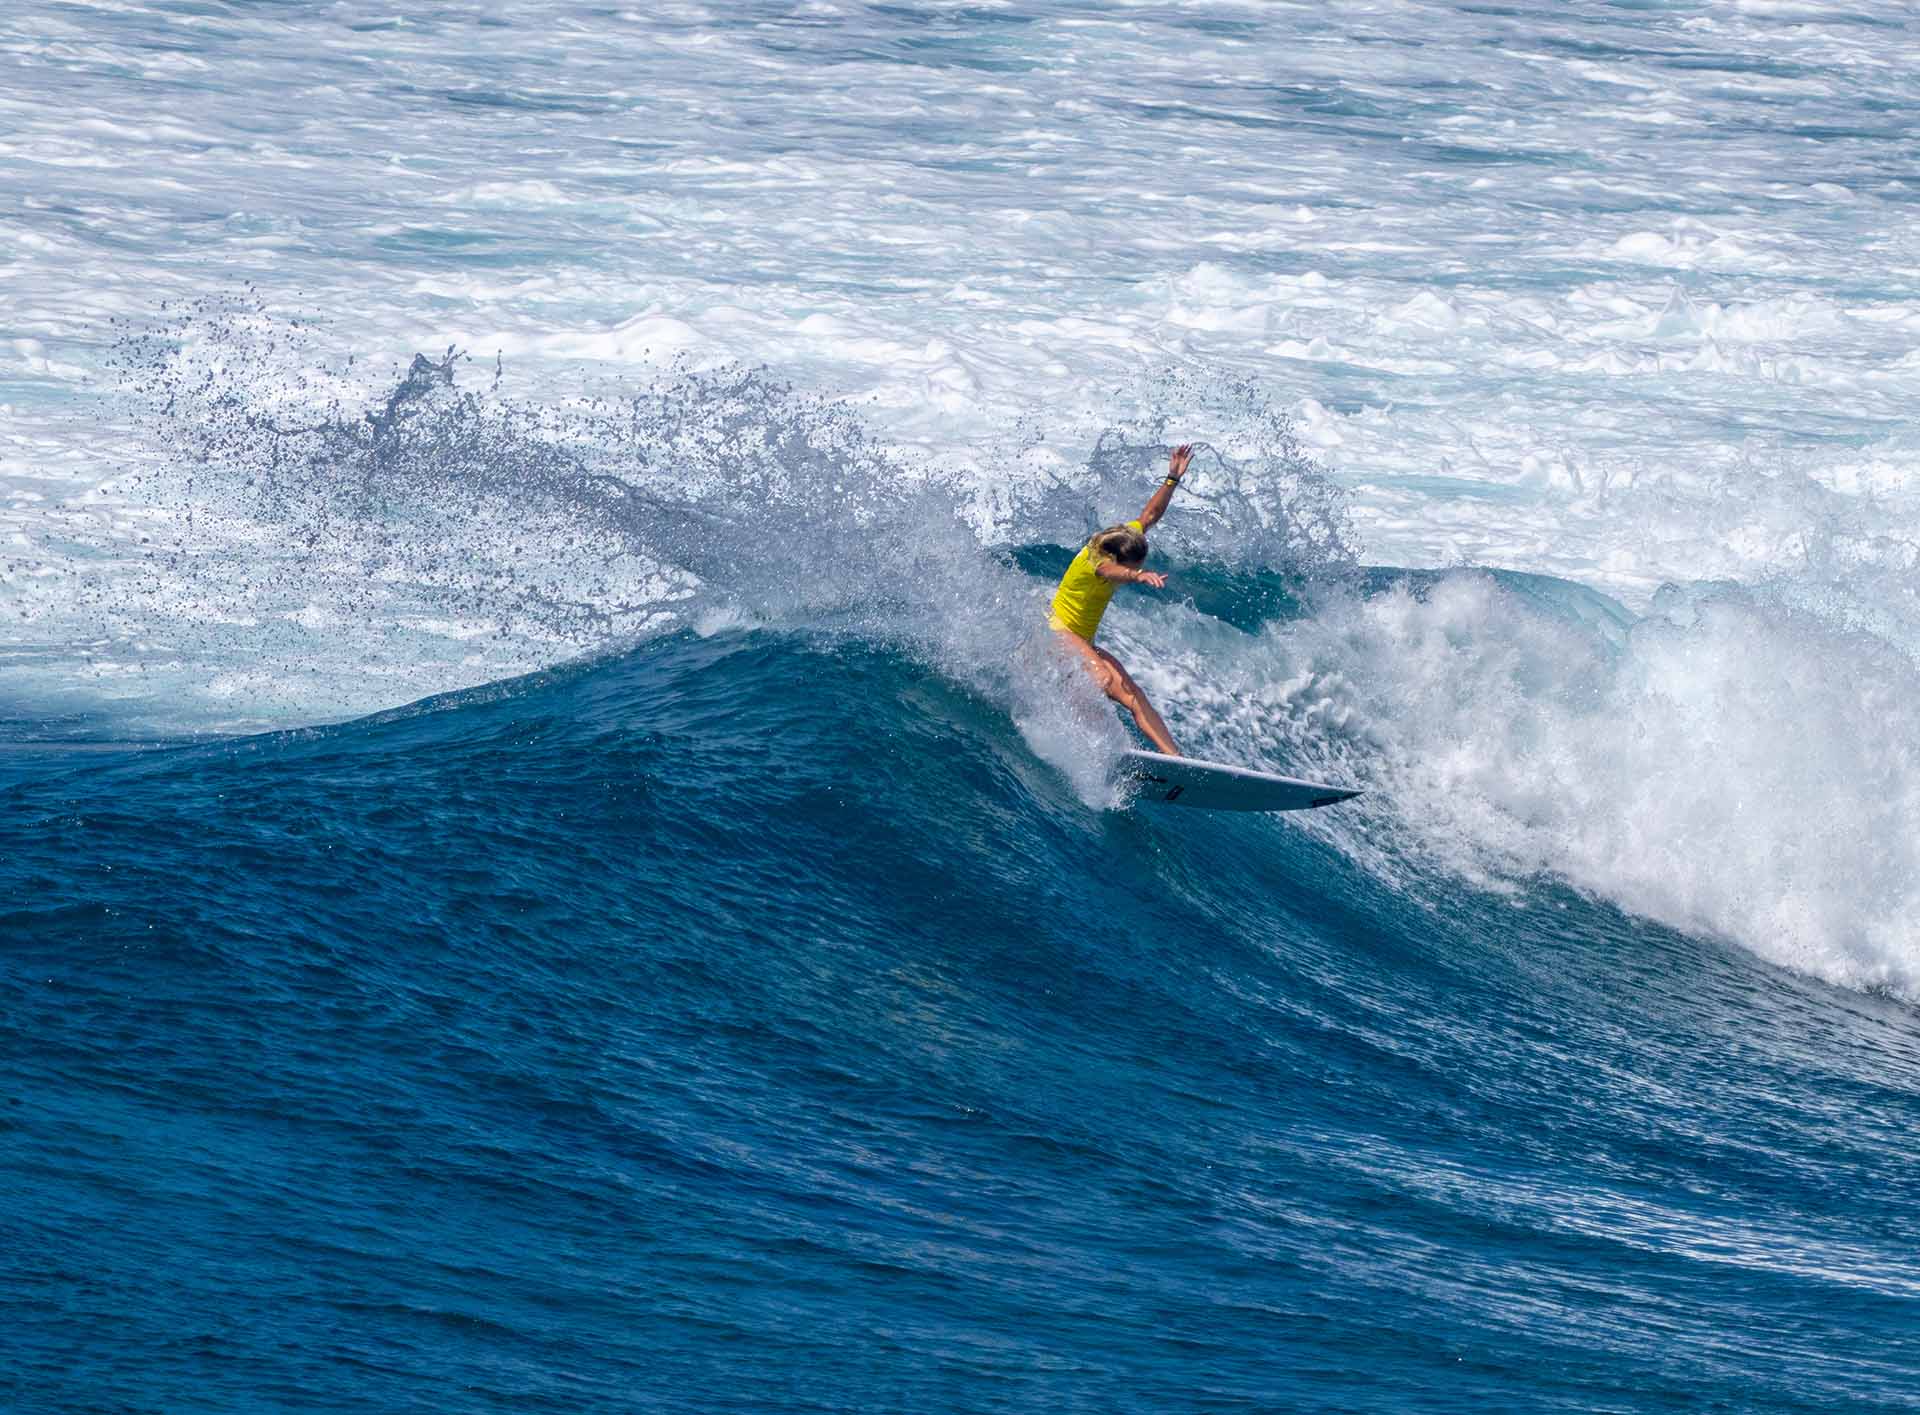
1122, 543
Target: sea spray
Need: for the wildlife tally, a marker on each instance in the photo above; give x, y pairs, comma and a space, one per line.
471, 533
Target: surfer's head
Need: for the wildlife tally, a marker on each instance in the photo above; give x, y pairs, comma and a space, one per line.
1121, 543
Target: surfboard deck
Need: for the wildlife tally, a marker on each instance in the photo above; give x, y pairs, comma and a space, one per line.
1215, 786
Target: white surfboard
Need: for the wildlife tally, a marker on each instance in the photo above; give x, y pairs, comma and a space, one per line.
1215, 786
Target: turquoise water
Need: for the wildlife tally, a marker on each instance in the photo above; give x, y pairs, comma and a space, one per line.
543, 864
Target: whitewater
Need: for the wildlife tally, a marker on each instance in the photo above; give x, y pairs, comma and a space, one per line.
543, 863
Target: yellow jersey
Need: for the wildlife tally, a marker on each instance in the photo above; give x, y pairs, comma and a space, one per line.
1083, 595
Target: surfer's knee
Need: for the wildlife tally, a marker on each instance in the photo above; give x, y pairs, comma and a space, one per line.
1122, 689
1120, 684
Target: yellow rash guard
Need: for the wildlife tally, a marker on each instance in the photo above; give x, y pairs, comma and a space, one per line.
1083, 595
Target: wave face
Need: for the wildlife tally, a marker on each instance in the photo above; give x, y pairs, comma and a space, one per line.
754, 1018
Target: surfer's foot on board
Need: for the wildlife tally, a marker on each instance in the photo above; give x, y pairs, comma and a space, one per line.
1118, 684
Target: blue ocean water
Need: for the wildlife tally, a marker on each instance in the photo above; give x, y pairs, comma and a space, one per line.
636, 1036
546, 865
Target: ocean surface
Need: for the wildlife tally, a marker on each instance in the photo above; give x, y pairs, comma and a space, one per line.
545, 864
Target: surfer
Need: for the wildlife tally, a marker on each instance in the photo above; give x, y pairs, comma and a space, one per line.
1114, 557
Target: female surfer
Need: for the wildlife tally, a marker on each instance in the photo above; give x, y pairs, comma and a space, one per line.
1114, 557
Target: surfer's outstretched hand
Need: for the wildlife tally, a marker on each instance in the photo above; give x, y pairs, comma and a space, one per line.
1150, 577
1177, 463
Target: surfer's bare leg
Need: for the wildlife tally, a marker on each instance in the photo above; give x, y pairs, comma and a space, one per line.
1124, 691
1118, 684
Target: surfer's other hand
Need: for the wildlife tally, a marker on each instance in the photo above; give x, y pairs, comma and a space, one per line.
1150, 577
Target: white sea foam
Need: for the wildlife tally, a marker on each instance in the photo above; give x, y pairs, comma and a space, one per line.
1730, 763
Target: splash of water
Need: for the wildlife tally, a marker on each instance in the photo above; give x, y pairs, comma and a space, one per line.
469, 533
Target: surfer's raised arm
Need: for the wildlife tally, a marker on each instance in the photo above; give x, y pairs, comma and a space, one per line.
1131, 574
1163, 494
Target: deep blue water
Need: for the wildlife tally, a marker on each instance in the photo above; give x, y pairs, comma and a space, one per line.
753, 1023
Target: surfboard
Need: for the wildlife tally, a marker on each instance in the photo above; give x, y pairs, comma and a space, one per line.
1215, 786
